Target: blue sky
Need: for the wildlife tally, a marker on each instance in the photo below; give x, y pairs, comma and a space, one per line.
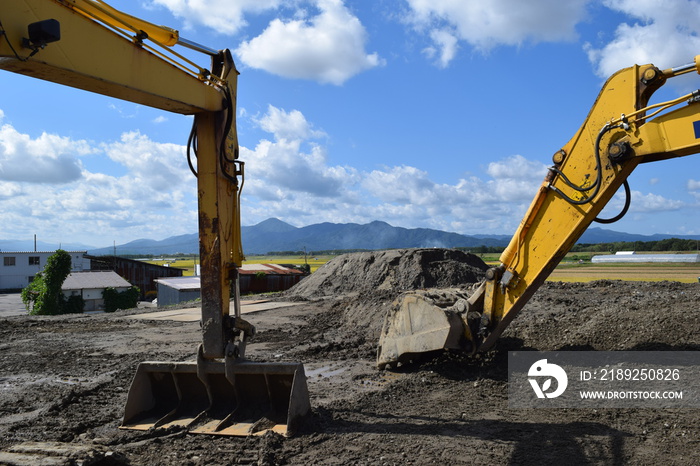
422, 113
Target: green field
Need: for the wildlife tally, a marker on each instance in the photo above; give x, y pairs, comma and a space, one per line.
571, 270
568, 271
188, 263
314, 261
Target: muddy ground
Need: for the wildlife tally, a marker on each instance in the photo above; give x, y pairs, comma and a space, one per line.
64, 381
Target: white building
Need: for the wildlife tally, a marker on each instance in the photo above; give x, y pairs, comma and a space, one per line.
90, 285
632, 257
17, 269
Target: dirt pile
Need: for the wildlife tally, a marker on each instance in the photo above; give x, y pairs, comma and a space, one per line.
363, 285
394, 271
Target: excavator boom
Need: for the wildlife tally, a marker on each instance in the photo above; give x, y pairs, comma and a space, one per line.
621, 131
89, 56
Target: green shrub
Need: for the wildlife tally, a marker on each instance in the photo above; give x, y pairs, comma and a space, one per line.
120, 300
43, 296
72, 305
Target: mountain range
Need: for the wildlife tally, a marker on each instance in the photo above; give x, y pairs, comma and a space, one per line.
274, 235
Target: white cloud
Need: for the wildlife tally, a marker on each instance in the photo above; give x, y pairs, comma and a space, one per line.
160, 165
279, 169
287, 125
653, 203
290, 178
99, 209
9, 190
223, 16
487, 24
693, 185
403, 185
293, 163
328, 48
155, 197
663, 32
517, 167
446, 49
46, 159
513, 179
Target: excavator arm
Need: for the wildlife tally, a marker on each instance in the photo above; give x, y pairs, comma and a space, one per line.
621, 131
87, 44
68, 45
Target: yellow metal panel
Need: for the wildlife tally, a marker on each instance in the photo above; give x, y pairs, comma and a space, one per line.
670, 135
91, 57
214, 219
116, 18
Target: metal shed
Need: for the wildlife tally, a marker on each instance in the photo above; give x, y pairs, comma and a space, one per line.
645, 258
265, 278
253, 278
139, 273
177, 290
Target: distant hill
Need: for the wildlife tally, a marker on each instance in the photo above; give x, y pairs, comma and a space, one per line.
11, 245
596, 235
276, 235
186, 244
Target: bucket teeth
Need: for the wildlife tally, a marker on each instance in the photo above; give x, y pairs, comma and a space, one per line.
218, 398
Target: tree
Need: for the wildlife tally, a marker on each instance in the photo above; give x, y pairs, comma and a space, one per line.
126, 299
43, 296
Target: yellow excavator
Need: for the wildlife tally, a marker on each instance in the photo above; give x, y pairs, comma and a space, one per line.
621, 131
89, 45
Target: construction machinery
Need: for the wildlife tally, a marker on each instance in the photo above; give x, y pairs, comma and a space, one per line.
89, 45
621, 131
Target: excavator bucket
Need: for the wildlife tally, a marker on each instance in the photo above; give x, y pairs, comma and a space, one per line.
423, 322
218, 397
